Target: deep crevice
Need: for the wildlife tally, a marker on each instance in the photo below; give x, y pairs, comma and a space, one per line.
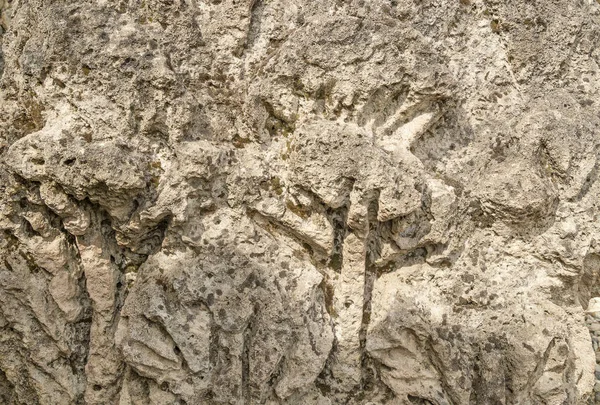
213, 344
248, 337
256, 9
338, 218
372, 253
326, 374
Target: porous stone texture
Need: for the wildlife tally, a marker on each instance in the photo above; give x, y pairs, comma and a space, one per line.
299, 202
592, 321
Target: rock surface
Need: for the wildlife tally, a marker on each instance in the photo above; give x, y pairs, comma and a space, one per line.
299, 202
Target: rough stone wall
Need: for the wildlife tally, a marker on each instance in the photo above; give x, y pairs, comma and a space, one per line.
592, 321
298, 202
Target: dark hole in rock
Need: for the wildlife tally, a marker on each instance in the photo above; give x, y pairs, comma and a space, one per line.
69, 162
418, 400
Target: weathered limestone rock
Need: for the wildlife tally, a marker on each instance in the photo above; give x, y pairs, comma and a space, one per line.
275, 202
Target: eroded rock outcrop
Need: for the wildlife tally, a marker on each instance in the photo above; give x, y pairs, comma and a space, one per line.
267, 202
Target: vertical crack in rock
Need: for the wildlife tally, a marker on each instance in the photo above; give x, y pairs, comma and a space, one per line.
104, 366
83, 326
373, 251
246, 391
1, 58
353, 295
256, 11
213, 348
338, 218
323, 381
248, 334
4, 21
104, 262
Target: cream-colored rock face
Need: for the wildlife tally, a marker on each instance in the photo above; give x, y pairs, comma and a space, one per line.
276, 202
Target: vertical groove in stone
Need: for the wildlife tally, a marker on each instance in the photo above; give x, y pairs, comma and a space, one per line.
372, 249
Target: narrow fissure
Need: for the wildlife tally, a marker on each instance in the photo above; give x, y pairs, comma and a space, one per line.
256, 10
248, 334
121, 258
213, 347
323, 380
4, 5
337, 218
372, 253
79, 357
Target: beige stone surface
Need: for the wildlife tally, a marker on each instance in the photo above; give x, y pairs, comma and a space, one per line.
299, 202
